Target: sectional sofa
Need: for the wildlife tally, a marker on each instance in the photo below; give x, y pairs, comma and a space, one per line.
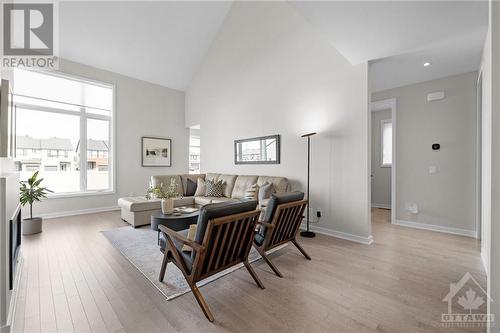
137, 210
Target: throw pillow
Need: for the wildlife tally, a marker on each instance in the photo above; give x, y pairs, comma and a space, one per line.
265, 191
201, 188
190, 188
190, 236
215, 189
252, 192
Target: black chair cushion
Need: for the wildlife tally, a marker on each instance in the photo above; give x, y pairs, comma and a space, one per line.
212, 211
186, 255
258, 239
275, 200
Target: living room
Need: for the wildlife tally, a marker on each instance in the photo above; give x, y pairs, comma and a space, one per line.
188, 158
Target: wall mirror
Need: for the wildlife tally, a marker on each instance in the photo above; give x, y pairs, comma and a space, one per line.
261, 150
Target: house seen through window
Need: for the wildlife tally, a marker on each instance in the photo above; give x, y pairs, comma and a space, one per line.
64, 130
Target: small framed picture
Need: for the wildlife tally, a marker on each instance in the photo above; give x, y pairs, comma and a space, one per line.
156, 152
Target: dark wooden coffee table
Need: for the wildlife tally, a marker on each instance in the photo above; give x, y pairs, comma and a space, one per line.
174, 221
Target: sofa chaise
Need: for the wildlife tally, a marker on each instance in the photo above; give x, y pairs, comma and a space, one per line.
137, 210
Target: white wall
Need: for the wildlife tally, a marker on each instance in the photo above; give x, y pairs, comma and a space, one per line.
447, 198
486, 137
381, 176
494, 278
142, 108
269, 72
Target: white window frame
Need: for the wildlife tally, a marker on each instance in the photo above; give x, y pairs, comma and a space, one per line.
84, 116
382, 123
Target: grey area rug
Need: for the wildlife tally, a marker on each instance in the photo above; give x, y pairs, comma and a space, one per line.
140, 247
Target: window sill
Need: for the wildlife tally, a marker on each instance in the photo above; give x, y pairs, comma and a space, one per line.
79, 194
386, 166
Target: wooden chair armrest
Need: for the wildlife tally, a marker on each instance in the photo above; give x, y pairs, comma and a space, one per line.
267, 225
174, 234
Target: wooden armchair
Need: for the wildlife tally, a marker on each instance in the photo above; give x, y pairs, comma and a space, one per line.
224, 236
281, 223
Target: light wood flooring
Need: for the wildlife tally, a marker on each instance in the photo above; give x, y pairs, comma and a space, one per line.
74, 280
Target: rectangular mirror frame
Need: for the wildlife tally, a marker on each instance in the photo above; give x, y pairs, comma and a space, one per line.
260, 138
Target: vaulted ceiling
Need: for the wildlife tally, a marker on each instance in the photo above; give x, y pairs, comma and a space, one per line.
164, 42
400, 36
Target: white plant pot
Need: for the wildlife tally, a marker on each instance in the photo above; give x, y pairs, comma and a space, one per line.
167, 206
32, 226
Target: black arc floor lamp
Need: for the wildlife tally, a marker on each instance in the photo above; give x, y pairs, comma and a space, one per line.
308, 233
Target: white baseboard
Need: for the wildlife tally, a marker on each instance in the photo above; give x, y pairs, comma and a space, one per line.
376, 205
15, 290
340, 234
79, 212
438, 228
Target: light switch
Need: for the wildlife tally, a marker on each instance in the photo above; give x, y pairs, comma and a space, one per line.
433, 169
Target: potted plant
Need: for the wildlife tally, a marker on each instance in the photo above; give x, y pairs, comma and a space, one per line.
31, 191
165, 194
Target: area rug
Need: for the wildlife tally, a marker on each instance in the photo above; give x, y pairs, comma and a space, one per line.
140, 247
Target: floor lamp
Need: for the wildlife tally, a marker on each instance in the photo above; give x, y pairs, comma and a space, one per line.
308, 233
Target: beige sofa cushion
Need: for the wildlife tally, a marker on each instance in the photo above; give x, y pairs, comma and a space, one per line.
241, 184
139, 204
212, 176
194, 178
280, 184
202, 201
165, 180
228, 181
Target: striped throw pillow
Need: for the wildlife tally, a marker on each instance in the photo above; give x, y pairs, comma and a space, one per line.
252, 192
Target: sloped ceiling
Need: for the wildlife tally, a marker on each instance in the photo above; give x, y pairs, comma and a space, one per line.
401, 35
164, 42
159, 42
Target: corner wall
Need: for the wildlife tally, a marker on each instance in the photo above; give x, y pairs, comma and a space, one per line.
269, 72
445, 199
142, 109
494, 276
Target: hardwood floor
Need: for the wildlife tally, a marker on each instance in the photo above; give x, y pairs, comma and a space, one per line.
74, 280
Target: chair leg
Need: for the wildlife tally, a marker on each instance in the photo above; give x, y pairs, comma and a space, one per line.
270, 264
201, 302
163, 266
254, 275
294, 241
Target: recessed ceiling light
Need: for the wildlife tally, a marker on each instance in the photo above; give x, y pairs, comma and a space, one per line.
427, 64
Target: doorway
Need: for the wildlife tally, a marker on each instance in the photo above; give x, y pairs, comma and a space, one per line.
383, 156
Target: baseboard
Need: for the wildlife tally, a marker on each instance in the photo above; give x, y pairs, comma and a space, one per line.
385, 206
79, 212
14, 295
438, 228
340, 234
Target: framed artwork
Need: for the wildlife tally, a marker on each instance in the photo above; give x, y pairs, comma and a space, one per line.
156, 152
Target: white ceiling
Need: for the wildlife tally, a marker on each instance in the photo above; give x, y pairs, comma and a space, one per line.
164, 42
450, 57
403, 34
158, 42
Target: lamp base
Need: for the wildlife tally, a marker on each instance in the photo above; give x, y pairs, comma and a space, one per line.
308, 234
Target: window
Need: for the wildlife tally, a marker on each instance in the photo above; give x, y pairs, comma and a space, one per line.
386, 136
64, 122
194, 149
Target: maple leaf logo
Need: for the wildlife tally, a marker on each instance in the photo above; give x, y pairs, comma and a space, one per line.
470, 301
